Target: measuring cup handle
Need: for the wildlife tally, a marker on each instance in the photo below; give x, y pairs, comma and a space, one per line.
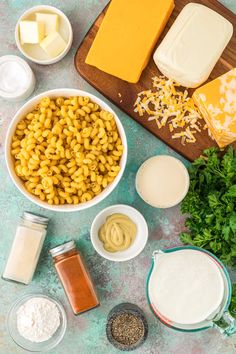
156, 253
226, 324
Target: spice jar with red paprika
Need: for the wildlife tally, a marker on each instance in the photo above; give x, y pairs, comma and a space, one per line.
74, 277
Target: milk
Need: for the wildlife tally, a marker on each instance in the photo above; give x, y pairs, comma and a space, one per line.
162, 181
186, 287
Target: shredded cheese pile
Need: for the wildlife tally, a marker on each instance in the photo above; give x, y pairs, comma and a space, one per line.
168, 104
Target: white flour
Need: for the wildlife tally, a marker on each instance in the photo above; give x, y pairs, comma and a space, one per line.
38, 319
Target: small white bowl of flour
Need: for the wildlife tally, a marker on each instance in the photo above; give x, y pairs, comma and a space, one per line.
37, 322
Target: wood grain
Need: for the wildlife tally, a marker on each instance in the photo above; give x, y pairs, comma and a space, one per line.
123, 94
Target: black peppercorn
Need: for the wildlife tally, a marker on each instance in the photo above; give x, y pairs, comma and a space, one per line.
127, 328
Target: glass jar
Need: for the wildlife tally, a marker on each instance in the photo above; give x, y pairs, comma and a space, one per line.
74, 277
26, 248
220, 319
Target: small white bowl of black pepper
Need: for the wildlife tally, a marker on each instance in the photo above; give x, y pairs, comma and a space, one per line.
127, 327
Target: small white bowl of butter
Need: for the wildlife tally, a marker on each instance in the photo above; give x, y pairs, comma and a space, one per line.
43, 34
118, 212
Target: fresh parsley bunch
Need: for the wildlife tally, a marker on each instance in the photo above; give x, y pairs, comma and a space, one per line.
211, 204
232, 306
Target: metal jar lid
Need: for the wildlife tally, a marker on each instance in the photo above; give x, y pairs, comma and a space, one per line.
34, 218
65, 247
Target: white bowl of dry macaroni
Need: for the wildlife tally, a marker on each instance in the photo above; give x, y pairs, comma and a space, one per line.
66, 150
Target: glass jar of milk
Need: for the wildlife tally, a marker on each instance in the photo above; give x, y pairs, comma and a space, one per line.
189, 289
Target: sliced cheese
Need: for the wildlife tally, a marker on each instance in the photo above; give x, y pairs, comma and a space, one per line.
193, 45
217, 102
127, 36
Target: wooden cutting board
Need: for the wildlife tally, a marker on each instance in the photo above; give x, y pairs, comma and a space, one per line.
123, 94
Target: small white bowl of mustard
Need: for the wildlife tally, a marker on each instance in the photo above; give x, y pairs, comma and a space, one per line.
134, 230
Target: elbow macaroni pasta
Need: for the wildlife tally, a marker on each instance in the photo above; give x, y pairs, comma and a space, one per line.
67, 150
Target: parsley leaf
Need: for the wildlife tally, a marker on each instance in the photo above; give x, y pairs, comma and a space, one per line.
211, 204
232, 306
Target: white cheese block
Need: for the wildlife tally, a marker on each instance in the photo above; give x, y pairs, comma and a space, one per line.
31, 32
53, 44
193, 45
50, 21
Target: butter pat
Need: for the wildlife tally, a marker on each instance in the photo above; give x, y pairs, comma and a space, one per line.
31, 32
50, 22
127, 36
217, 103
193, 45
53, 44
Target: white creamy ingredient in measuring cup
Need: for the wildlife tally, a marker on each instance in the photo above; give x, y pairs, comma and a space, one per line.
17, 80
186, 286
38, 319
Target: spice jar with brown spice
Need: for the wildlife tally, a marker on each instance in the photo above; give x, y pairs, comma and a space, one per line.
74, 277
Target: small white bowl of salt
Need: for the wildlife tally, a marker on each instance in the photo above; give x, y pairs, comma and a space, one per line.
17, 80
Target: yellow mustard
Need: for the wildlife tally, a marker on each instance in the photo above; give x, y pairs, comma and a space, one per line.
118, 233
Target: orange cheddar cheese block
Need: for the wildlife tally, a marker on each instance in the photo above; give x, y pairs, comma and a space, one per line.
127, 36
217, 103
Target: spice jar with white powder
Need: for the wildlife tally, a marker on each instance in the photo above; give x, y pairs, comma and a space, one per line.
26, 248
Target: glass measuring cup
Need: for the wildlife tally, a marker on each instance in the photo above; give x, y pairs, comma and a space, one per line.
220, 319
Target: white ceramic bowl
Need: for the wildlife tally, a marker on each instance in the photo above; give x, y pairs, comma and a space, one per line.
18, 93
28, 107
33, 51
24, 343
139, 243
170, 181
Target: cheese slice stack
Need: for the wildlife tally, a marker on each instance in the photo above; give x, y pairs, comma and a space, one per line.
217, 103
127, 36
